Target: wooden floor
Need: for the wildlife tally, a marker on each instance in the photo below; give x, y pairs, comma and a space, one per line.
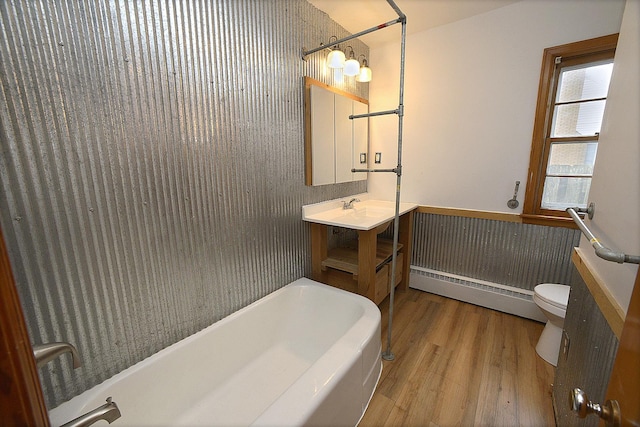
459, 364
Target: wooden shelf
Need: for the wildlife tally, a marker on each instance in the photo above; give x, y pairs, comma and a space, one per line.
346, 258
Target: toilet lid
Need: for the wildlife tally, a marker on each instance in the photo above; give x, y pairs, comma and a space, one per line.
554, 294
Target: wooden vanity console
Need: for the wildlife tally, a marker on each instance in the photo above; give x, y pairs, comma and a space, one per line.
364, 265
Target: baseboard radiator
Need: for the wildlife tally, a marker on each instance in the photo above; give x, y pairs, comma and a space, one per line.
507, 299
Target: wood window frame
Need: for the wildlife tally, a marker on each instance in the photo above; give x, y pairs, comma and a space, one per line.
21, 399
532, 212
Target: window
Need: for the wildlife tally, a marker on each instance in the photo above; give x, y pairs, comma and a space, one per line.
574, 83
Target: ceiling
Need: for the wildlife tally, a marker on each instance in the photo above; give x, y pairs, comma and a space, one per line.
359, 15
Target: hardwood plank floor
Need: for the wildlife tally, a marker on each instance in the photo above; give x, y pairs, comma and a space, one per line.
460, 364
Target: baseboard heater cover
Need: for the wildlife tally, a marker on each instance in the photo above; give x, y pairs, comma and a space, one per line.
507, 299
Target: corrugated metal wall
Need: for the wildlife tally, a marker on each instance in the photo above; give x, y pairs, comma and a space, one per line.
589, 361
507, 253
152, 167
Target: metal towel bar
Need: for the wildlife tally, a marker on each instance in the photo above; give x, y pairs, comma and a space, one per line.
601, 250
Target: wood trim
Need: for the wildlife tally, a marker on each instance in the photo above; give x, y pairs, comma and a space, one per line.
469, 213
308, 164
549, 221
308, 82
21, 399
611, 310
500, 216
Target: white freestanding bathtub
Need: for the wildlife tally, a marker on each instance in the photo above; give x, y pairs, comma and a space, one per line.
307, 354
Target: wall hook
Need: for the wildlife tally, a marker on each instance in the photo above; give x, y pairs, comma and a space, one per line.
513, 203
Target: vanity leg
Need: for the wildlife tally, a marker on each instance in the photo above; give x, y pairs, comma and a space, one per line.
367, 242
318, 251
405, 237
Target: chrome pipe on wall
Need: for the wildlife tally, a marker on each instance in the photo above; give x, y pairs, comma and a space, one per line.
601, 250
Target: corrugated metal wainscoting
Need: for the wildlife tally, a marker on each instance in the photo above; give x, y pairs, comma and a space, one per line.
589, 361
152, 168
507, 253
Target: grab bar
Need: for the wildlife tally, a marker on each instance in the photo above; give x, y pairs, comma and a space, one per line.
601, 250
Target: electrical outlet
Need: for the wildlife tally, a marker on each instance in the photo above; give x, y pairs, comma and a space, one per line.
378, 158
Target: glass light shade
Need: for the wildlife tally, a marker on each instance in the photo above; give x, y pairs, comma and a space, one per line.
364, 75
351, 67
335, 59
338, 75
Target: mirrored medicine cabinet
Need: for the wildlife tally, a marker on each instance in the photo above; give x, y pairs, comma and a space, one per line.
334, 144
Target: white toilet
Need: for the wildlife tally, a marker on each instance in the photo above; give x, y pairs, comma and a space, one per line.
552, 299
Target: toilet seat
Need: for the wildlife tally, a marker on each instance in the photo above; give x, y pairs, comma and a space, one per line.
553, 294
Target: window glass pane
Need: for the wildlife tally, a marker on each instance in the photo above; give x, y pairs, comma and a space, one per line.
584, 82
561, 193
577, 119
576, 158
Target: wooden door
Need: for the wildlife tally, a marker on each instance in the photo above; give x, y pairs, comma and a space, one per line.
624, 385
21, 400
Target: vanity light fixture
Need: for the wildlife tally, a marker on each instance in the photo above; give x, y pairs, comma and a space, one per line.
365, 72
336, 57
352, 66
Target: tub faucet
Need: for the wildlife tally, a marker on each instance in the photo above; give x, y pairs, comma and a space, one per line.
108, 412
349, 204
45, 353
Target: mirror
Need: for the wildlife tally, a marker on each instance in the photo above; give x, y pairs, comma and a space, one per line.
334, 144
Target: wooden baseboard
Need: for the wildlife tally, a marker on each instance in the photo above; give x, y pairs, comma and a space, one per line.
611, 310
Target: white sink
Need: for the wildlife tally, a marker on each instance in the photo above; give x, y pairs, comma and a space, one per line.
364, 215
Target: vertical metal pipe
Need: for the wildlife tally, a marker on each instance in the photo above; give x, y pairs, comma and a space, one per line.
388, 354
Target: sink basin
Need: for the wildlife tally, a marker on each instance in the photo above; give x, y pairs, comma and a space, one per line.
369, 212
364, 215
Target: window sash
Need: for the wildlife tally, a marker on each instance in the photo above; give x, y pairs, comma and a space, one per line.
554, 60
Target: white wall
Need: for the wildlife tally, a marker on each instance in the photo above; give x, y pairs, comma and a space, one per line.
616, 179
470, 98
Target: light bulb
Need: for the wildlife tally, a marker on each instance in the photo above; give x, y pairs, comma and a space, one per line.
351, 67
365, 74
335, 59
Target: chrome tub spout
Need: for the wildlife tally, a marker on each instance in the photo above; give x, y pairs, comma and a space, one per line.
108, 412
45, 353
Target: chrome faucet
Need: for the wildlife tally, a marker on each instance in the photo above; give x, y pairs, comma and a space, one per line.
45, 353
108, 412
349, 204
